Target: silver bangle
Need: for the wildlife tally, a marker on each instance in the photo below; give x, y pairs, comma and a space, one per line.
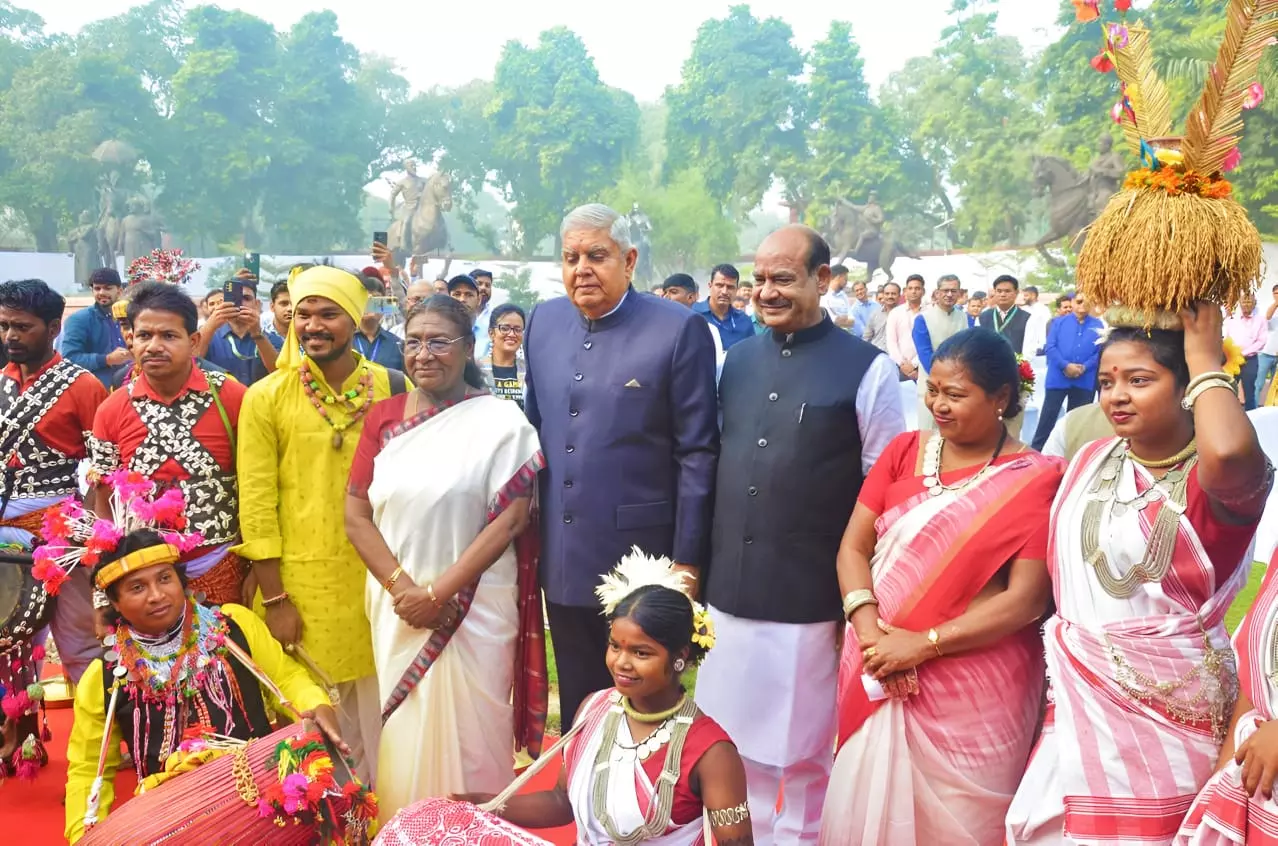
730, 816
1203, 387
855, 599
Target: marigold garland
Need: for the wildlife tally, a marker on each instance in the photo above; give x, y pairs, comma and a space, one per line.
1177, 180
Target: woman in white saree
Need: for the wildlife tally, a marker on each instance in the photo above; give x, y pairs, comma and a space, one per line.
438, 505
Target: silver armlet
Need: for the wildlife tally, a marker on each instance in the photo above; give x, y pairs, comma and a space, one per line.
730, 816
100, 599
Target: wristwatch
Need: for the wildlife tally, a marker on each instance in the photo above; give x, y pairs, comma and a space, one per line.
934, 638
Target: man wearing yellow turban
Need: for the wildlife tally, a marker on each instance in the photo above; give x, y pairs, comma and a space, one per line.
298, 431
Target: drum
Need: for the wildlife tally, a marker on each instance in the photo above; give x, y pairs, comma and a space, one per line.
25, 608
207, 805
443, 822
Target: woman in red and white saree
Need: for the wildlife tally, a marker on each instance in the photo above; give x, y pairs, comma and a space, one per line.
1237, 804
1151, 540
945, 578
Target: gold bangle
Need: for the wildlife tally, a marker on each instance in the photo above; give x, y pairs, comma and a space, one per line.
430, 592
394, 577
1203, 387
855, 599
730, 816
1203, 377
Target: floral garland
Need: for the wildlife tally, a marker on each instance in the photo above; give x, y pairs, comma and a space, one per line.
1176, 180
162, 266
1025, 371
73, 536
308, 794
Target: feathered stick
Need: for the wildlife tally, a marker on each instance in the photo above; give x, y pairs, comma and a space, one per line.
1215, 123
1150, 115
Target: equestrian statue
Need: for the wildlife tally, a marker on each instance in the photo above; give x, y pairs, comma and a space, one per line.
856, 232
1076, 199
417, 225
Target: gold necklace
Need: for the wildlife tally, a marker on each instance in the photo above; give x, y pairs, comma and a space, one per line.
658, 717
1164, 463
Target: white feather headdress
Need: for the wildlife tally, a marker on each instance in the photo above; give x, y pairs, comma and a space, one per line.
638, 570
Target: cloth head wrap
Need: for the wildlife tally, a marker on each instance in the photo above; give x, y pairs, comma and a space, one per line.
331, 283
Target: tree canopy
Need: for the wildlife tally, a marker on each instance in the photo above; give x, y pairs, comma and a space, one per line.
264, 139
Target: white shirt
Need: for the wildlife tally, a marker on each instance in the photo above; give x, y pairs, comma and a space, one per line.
1036, 329
836, 303
1271, 347
879, 414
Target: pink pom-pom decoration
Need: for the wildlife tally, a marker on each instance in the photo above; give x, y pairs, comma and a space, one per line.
15, 704
1255, 96
1232, 159
37, 652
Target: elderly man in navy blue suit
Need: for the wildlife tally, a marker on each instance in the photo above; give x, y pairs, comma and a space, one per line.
621, 388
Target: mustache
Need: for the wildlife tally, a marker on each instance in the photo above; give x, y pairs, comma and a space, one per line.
316, 336
775, 302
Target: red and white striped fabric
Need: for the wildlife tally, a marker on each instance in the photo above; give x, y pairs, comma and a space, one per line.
1136, 681
443, 822
1223, 813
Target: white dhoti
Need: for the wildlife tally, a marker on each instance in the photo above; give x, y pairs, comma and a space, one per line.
772, 687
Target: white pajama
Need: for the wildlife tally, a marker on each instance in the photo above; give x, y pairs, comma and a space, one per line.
772, 687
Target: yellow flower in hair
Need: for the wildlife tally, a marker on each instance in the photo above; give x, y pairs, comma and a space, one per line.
702, 629
1234, 358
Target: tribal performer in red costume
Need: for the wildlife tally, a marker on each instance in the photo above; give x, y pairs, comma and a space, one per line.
46, 411
175, 424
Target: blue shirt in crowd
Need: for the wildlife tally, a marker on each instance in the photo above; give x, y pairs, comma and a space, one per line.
735, 327
238, 356
385, 349
88, 336
1072, 342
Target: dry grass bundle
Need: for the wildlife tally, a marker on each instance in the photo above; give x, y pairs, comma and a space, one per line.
1152, 252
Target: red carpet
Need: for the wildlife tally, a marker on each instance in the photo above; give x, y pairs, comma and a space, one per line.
33, 813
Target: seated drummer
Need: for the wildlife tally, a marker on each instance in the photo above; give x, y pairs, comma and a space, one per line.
161, 635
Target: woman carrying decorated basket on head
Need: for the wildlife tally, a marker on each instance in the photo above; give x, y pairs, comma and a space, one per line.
944, 575
643, 764
177, 665
1151, 534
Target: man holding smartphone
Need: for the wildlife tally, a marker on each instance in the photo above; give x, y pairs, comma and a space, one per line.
233, 336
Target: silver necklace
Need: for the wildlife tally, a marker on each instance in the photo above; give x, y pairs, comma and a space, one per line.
932, 466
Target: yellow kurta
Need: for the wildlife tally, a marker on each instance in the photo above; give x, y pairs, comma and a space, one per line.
85, 742
292, 503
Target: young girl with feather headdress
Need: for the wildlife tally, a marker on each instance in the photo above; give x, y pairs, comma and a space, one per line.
643, 764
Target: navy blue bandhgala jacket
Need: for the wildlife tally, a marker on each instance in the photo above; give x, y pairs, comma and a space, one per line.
628, 418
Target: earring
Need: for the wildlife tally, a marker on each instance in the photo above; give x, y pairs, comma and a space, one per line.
679, 665
1000, 414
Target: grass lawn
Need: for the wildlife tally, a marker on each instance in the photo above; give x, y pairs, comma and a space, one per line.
1246, 596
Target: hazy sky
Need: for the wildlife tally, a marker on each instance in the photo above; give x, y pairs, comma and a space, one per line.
637, 46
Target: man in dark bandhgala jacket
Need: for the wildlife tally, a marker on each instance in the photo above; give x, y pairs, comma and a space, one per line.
807, 410
621, 388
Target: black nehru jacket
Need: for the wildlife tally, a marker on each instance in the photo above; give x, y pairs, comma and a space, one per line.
1013, 329
789, 473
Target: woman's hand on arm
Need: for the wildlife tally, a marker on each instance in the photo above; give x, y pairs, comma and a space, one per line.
1258, 755
720, 775
1021, 604
485, 549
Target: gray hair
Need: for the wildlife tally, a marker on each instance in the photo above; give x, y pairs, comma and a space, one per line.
598, 216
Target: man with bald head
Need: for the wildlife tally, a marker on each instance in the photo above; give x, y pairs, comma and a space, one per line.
414, 294
621, 389
807, 409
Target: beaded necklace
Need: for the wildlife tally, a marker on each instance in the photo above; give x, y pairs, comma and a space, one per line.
347, 401
182, 672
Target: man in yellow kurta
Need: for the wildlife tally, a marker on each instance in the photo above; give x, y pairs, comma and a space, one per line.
297, 435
